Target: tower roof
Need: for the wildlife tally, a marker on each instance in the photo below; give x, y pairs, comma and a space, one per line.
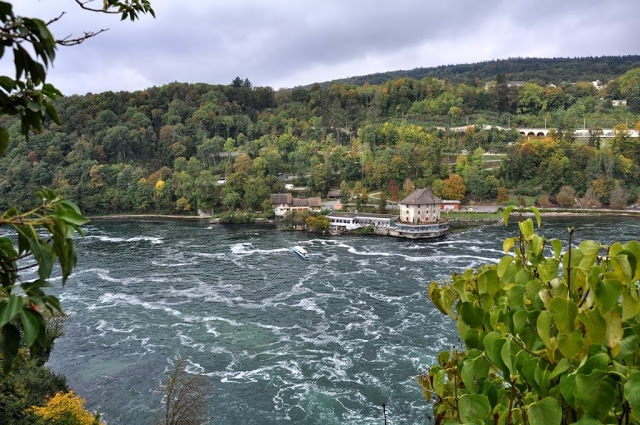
421, 197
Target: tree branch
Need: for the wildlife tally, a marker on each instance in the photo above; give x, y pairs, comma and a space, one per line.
83, 5
68, 41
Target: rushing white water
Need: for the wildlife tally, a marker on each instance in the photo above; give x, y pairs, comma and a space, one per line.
324, 341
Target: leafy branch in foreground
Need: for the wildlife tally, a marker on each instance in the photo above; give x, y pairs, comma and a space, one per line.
551, 336
44, 234
44, 237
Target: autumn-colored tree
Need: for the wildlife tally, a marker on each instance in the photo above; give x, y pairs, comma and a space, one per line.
543, 201
590, 199
66, 409
503, 195
453, 188
618, 196
392, 188
408, 187
567, 196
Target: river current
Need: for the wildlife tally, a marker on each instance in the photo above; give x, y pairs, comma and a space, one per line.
281, 339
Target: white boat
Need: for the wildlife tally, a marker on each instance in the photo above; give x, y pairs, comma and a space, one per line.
301, 252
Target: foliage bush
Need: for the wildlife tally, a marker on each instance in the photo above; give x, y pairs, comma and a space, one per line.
65, 408
551, 335
26, 385
236, 217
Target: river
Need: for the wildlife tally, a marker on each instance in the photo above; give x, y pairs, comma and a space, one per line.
281, 339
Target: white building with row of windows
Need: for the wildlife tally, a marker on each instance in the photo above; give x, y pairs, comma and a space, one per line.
419, 218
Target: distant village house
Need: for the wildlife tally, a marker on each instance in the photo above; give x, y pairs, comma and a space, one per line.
284, 203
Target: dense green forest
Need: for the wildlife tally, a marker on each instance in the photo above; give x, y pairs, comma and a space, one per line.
166, 149
544, 70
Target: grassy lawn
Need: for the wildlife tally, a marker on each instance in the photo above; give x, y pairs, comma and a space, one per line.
471, 215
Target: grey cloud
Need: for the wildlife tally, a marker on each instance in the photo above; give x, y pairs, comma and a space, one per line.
277, 41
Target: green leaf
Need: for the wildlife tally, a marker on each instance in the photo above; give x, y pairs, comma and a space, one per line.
594, 393
471, 315
52, 113
589, 248
536, 214
607, 293
634, 248
632, 393
44, 256
622, 267
562, 366
595, 324
9, 307
488, 282
598, 361
557, 248
438, 382
508, 358
630, 304
503, 265
526, 227
474, 407
507, 245
493, 343
545, 412
544, 327
564, 313
31, 325
568, 388
71, 217
532, 289
472, 339
507, 213
570, 345
515, 297
628, 346
520, 320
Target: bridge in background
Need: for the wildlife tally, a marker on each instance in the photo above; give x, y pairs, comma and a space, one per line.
607, 133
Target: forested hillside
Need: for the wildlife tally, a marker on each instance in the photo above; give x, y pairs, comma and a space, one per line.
166, 149
545, 70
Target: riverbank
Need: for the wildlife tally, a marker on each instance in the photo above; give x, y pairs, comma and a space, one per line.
470, 217
147, 217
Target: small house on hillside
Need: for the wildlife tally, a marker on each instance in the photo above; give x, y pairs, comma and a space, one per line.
304, 204
333, 193
285, 202
281, 203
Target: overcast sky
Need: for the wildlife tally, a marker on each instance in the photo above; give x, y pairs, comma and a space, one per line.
285, 43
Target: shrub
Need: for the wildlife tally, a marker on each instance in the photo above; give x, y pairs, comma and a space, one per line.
547, 339
545, 202
26, 385
66, 409
566, 197
503, 195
